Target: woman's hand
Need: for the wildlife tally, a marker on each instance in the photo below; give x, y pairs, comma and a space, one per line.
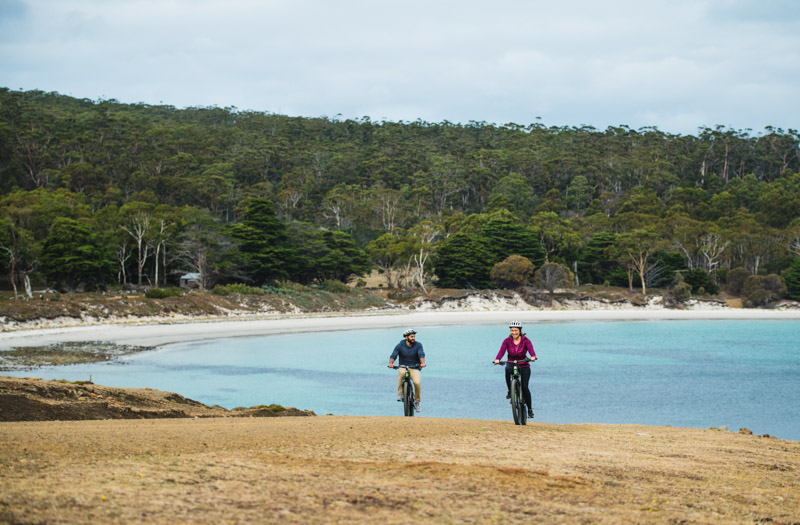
497, 361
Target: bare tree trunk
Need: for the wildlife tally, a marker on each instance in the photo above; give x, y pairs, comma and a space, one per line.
11, 276
122, 259
140, 227
158, 253
27, 282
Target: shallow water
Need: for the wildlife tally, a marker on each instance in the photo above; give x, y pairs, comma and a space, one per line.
681, 373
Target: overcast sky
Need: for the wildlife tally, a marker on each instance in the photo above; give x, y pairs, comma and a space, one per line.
674, 64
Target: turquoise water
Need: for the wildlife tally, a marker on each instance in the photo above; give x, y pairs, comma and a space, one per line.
680, 373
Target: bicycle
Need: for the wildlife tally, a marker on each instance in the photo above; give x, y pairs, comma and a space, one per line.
518, 407
408, 389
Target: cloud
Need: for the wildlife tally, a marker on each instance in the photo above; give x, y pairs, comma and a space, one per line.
677, 65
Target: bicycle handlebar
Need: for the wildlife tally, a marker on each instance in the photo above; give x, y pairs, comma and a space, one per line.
510, 362
418, 367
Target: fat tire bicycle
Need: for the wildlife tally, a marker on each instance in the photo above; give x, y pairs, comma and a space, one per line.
518, 407
407, 390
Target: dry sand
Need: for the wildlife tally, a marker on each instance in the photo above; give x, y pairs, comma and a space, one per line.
330, 469
155, 334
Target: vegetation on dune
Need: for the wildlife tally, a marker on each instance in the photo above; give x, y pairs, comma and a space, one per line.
99, 193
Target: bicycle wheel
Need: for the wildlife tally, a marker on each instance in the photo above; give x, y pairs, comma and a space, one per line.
408, 406
515, 400
523, 411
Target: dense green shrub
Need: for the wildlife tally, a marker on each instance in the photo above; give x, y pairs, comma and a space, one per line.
513, 272
698, 279
334, 286
162, 293
681, 290
237, 288
760, 290
553, 275
734, 281
291, 286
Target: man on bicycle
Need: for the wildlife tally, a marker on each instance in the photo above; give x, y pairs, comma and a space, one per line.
411, 354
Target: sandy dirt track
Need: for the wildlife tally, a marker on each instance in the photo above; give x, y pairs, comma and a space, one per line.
390, 470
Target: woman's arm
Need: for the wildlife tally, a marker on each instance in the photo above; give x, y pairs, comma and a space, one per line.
529, 344
502, 351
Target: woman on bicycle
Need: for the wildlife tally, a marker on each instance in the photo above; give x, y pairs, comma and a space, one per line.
518, 346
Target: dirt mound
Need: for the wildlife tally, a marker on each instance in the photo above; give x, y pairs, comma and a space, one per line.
28, 399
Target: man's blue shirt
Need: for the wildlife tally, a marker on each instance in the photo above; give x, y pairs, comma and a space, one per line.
409, 355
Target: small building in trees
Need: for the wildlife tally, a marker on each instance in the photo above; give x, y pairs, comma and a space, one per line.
190, 280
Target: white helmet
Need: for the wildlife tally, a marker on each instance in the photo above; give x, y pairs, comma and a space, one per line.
515, 324
408, 332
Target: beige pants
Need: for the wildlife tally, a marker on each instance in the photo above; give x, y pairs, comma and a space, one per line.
415, 378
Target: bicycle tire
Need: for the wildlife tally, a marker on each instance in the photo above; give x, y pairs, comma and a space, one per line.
515, 400
523, 411
408, 407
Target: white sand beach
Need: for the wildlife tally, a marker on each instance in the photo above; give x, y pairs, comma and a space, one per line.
154, 333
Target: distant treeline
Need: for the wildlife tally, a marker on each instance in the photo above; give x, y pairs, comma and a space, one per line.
96, 192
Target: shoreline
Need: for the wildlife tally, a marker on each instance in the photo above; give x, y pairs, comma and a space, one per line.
158, 332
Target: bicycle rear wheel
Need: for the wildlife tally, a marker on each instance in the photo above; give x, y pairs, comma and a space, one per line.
408, 399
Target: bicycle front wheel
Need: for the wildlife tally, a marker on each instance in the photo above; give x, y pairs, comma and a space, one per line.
408, 399
523, 412
515, 401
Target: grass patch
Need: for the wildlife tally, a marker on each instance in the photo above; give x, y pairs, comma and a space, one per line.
237, 288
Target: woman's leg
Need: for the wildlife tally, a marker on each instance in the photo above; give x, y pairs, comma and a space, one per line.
526, 376
509, 371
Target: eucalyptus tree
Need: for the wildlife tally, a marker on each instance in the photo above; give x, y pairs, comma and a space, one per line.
136, 219
388, 252
555, 234
634, 250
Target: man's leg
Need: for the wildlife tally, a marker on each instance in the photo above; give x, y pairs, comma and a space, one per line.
416, 378
400, 381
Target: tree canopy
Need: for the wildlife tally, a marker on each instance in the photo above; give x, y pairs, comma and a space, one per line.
302, 198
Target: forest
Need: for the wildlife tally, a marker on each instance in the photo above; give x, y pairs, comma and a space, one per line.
96, 194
